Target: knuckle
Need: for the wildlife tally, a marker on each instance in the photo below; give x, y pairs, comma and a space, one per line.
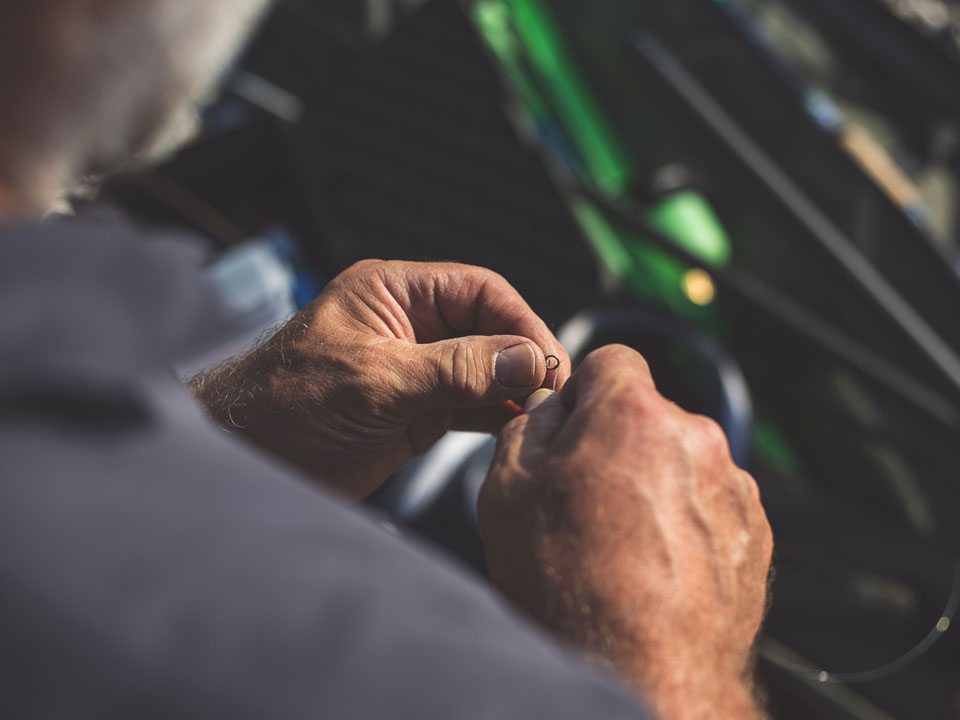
767, 531
763, 541
493, 277
473, 275
756, 515
509, 437
609, 354
462, 371
359, 276
499, 293
494, 501
753, 488
364, 266
482, 274
615, 359
634, 401
712, 436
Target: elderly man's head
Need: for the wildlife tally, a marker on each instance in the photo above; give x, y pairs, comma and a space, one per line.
88, 85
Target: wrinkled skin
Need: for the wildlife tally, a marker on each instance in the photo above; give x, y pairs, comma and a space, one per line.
612, 516
620, 522
389, 358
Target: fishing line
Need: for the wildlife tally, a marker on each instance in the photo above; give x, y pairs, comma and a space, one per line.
555, 366
823, 676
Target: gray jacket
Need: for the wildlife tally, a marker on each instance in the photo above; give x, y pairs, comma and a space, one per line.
152, 566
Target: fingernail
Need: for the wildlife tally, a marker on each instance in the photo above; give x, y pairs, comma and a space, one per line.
517, 366
537, 399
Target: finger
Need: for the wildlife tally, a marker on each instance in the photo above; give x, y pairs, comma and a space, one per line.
468, 372
537, 399
548, 415
445, 300
532, 435
609, 398
522, 447
606, 371
493, 419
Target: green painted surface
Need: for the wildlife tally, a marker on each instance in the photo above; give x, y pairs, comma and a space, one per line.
687, 217
599, 148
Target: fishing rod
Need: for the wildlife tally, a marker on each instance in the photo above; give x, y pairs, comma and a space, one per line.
789, 314
910, 324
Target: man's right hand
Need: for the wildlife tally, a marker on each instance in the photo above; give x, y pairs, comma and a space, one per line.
620, 522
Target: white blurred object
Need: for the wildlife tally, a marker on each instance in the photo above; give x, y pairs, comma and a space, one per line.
254, 281
256, 287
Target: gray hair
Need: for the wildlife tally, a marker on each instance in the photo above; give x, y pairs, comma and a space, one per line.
88, 86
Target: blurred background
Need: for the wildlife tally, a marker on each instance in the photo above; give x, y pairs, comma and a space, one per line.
759, 195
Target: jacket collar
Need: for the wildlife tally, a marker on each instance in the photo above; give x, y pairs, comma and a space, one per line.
81, 300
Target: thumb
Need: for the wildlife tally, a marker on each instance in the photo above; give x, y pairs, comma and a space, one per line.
474, 371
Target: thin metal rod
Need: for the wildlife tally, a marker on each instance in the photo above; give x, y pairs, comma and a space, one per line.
910, 323
933, 636
790, 315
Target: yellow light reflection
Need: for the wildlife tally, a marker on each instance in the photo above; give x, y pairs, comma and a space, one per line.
699, 287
